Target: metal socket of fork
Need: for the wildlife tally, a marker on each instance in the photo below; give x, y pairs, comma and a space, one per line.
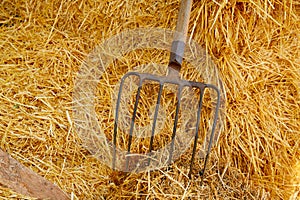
177, 53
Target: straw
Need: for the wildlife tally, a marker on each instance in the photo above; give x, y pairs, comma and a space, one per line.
255, 45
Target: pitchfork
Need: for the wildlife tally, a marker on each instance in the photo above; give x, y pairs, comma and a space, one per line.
172, 77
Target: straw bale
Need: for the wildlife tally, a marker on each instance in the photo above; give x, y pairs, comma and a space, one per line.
255, 45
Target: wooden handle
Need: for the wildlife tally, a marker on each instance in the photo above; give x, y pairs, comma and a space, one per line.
183, 20
24, 181
178, 45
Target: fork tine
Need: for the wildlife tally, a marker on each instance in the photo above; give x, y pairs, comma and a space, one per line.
154, 121
212, 130
133, 120
116, 122
175, 123
197, 129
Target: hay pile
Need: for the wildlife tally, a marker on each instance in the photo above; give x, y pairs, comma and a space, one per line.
255, 44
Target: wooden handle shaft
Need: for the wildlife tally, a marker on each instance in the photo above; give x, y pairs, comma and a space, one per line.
183, 20
178, 45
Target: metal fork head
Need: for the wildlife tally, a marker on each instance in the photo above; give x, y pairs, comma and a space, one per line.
171, 78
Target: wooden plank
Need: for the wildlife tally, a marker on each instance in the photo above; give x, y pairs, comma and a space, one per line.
21, 179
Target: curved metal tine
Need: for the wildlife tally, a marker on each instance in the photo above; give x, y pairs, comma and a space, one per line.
116, 122
154, 121
175, 124
197, 129
212, 131
133, 120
